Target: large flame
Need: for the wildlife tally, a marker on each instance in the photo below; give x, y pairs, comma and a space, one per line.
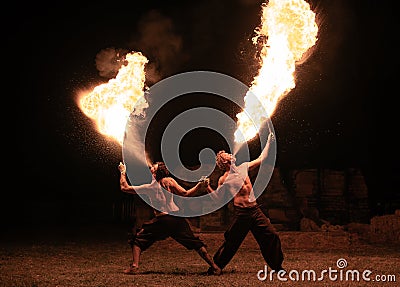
289, 29
109, 105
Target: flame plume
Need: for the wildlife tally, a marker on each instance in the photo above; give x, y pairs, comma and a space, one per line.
290, 29
109, 105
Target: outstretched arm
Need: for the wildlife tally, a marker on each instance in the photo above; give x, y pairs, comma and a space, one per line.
201, 185
176, 188
264, 154
126, 187
123, 182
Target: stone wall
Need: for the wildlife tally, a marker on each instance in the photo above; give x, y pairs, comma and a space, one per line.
385, 228
325, 196
336, 196
279, 203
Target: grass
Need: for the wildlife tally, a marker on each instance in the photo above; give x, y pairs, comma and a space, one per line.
97, 256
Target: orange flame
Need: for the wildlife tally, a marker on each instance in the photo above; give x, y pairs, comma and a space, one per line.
109, 105
290, 27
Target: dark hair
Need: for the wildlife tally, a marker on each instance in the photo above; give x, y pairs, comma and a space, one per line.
161, 171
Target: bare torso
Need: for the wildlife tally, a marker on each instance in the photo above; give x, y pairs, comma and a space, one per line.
242, 197
167, 183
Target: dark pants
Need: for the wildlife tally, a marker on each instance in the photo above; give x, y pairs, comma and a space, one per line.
164, 226
254, 220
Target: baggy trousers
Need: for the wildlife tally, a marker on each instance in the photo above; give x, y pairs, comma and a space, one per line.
254, 220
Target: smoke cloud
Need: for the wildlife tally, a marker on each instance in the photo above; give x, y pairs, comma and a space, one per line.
109, 61
160, 44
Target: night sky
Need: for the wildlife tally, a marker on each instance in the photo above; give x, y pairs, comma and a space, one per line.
63, 168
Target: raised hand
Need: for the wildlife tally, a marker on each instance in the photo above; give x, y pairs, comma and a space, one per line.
122, 167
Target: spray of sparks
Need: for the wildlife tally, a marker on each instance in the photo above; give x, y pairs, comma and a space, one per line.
110, 104
287, 31
290, 29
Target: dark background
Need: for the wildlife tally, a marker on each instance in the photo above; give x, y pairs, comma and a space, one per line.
62, 170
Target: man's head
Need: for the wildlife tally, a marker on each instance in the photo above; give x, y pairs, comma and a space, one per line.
159, 170
224, 160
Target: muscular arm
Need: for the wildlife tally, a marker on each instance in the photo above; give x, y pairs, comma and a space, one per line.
132, 189
176, 188
124, 185
264, 154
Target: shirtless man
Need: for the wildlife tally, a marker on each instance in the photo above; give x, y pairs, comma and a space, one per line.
164, 224
248, 215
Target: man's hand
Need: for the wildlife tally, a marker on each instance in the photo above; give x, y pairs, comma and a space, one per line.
203, 184
204, 181
271, 136
122, 168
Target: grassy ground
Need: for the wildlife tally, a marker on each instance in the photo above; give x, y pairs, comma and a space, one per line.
97, 256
